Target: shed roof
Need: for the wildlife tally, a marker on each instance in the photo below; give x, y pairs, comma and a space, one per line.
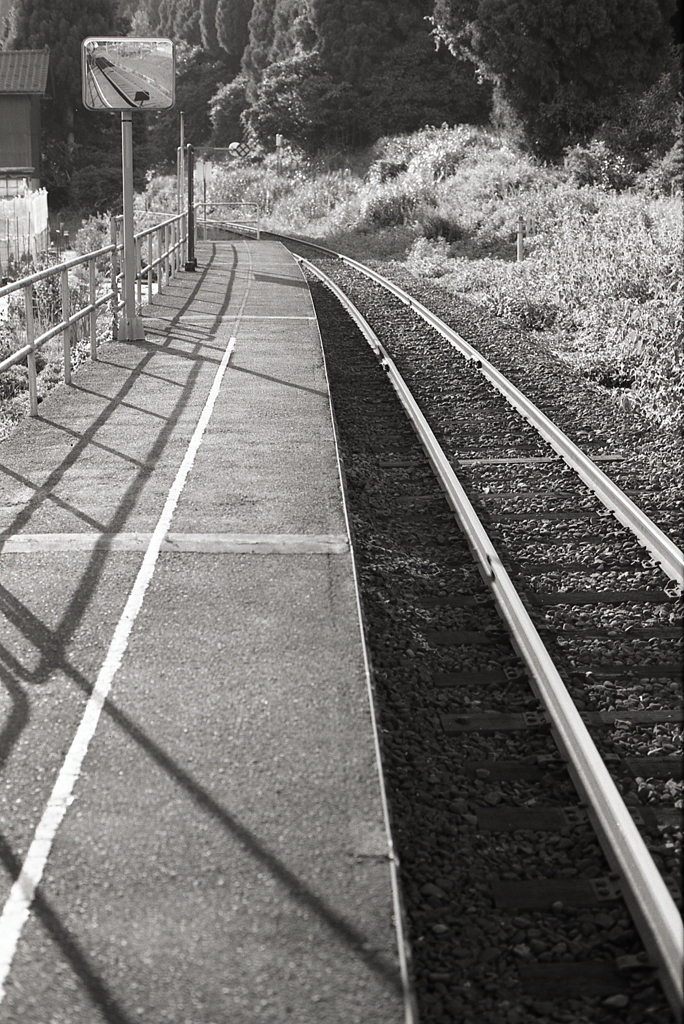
24, 71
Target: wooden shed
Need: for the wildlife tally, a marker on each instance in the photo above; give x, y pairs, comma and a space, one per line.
23, 80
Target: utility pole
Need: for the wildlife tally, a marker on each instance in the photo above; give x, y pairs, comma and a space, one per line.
191, 262
180, 180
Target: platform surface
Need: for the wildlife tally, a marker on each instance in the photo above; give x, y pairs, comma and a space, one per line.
223, 856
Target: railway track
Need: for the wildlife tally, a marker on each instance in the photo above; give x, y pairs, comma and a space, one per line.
511, 746
532, 766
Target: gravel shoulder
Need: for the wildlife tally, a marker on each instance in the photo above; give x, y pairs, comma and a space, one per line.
589, 414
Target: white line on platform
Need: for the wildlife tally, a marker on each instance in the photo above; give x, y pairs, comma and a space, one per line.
18, 905
211, 543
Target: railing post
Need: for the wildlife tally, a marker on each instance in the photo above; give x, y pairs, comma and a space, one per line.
258, 220
30, 336
66, 334
138, 273
93, 315
160, 260
114, 282
150, 267
184, 236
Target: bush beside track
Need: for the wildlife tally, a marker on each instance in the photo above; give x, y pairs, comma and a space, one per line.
600, 285
600, 288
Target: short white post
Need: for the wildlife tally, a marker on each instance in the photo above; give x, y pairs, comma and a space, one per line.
66, 333
92, 291
30, 336
521, 232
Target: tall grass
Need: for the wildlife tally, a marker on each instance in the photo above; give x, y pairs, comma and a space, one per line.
601, 275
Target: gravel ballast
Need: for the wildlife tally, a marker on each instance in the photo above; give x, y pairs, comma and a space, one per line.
473, 959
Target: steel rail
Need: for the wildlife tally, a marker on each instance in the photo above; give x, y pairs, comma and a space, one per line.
662, 549
653, 909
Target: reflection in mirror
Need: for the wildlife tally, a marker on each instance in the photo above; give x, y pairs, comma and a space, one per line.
128, 74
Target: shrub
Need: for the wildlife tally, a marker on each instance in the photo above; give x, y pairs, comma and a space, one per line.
225, 110
395, 204
384, 170
597, 164
94, 234
435, 225
666, 176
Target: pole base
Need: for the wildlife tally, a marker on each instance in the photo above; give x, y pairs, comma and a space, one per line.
131, 329
191, 264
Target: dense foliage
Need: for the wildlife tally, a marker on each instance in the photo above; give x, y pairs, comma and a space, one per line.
379, 54
562, 67
596, 81
601, 276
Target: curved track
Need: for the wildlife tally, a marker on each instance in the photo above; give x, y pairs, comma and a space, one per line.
645, 891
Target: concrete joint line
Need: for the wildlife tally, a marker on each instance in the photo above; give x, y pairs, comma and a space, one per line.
209, 543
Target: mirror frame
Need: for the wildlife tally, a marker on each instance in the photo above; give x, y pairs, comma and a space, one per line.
165, 82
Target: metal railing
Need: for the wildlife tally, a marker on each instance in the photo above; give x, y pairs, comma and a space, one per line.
164, 246
246, 217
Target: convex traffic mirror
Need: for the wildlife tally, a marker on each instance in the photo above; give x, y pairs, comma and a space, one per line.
120, 73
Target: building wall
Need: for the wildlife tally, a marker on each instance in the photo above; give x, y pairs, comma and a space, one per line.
35, 161
16, 131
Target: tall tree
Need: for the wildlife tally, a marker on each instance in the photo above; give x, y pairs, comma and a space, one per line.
381, 49
562, 66
257, 55
208, 25
232, 25
179, 19
146, 18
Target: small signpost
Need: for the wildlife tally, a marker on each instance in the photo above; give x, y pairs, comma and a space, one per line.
239, 149
203, 171
124, 74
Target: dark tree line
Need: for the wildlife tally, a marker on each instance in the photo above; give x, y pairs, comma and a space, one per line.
564, 68
347, 71
344, 72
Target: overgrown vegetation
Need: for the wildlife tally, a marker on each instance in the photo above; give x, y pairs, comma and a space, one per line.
601, 279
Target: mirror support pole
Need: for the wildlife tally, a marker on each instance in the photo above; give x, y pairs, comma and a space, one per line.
130, 326
191, 262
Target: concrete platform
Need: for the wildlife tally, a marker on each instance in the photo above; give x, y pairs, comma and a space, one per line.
222, 855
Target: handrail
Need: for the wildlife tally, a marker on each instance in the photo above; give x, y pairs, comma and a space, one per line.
40, 275
168, 238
